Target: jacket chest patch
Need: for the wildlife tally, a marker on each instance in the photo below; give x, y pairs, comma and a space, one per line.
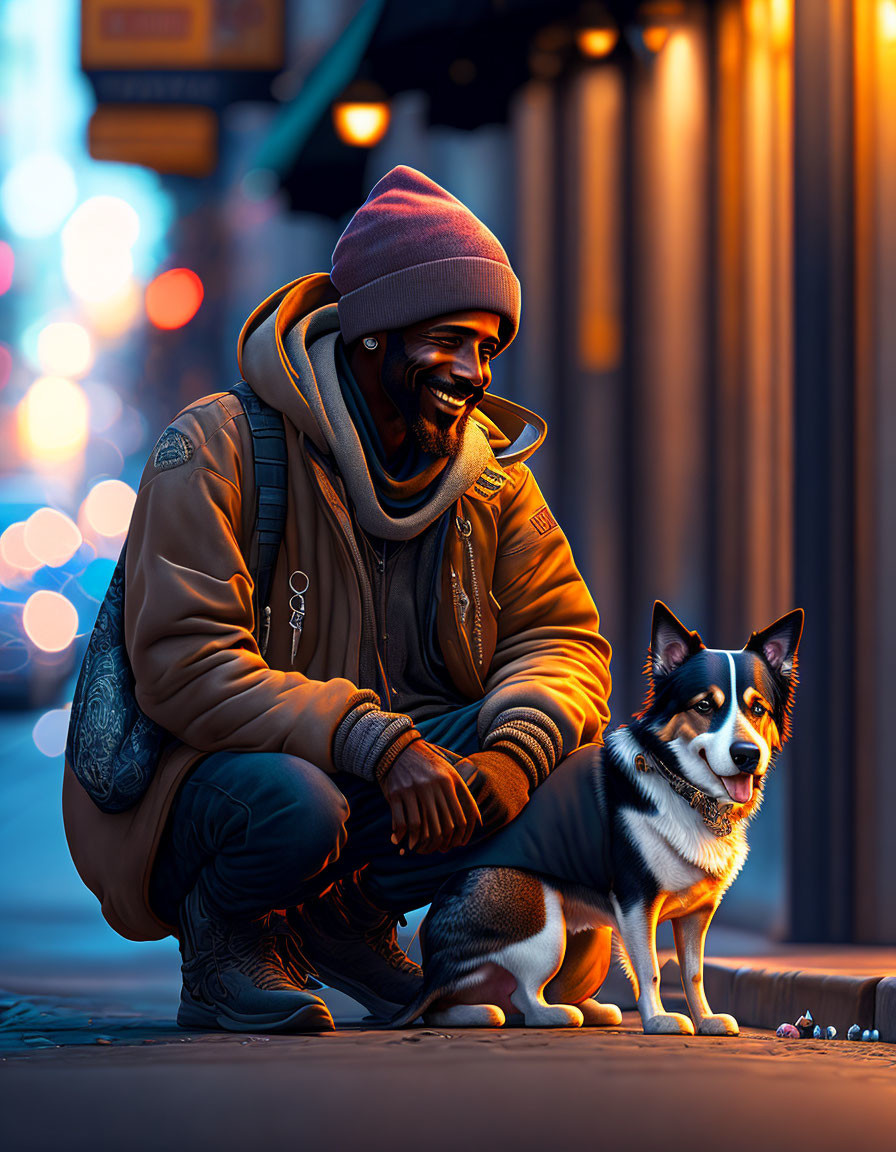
173, 448
490, 482
543, 522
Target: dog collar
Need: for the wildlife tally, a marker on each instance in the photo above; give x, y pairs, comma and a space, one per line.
713, 817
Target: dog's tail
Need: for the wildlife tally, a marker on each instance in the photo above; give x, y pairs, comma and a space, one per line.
408, 1015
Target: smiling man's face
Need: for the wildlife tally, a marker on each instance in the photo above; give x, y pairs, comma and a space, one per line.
435, 373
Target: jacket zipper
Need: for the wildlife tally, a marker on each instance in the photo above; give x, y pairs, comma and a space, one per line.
465, 531
344, 523
265, 631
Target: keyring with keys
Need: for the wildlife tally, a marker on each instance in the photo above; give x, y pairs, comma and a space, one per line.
297, 608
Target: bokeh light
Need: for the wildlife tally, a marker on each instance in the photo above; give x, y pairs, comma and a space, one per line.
173, 298
51, 536
5, 365
50, 621
95, 277
96, 249
115, 313
37, 194
64, 349
597, 42
108, 507
102, 222
15, 552
888, 19
53, 419
7, 266
50, 733
105, 405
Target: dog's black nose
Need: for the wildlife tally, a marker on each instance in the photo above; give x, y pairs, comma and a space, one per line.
745, 755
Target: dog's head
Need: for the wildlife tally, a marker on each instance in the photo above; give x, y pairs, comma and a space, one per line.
724, 715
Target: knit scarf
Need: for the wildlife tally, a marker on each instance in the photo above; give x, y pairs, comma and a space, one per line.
408, 481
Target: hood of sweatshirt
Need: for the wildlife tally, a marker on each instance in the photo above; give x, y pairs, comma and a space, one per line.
285, 349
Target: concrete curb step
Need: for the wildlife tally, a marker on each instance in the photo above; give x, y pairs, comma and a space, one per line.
765, 992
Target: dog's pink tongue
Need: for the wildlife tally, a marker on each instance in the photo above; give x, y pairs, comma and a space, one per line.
740, 787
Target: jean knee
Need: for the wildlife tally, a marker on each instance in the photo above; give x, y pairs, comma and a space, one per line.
311, 814
276, 805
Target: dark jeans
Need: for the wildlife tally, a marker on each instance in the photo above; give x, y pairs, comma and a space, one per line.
263, 830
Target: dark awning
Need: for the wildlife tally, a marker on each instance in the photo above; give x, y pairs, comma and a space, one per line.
469, 57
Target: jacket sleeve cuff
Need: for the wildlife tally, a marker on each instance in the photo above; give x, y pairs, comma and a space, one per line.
531, 736
367, 740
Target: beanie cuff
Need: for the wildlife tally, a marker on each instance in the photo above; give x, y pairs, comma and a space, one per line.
425, 291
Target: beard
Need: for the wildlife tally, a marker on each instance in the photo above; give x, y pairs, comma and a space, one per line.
403, 381
438, 441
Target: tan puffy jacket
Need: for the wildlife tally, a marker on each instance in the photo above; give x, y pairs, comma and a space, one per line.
190, 624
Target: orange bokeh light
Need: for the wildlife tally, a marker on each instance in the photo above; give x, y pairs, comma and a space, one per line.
15, 552
173, 298
50, 621
655, 37
888, 20
108, 507
51, 537
597, 42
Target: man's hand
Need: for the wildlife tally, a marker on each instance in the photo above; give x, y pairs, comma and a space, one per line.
498, 783
430, 802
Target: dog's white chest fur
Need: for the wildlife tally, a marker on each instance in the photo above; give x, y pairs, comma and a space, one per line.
674, 841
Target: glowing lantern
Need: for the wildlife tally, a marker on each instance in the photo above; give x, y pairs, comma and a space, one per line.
14, 551
53, 418
173, 298
50, 621
108, 507
655, 37
598, 36
37, 194
64, 349
361, 116
649, 34
7, 264
51, 537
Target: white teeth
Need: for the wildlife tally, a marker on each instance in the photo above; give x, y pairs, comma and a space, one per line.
446, 399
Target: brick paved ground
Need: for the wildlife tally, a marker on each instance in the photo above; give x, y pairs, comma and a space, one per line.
510, 1089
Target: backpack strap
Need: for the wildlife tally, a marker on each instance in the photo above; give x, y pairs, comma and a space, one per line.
269, 449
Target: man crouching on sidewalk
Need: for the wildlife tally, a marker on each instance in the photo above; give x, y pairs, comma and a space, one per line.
431, 652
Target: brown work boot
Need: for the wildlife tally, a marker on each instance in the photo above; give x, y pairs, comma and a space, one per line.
352, 945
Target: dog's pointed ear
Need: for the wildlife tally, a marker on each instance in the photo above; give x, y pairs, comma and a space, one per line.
778, 644
670, 642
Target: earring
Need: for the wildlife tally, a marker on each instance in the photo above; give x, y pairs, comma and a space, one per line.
370, 343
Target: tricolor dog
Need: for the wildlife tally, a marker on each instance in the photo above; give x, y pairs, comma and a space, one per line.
650, 827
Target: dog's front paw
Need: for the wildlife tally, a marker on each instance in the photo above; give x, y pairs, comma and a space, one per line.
669, 1023
718, 1025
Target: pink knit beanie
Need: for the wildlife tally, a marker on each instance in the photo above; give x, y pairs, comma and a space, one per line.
411, 252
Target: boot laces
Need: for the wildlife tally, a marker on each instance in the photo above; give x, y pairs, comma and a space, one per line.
255, 952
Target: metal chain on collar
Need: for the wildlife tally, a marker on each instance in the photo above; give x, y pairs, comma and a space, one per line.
713, 817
